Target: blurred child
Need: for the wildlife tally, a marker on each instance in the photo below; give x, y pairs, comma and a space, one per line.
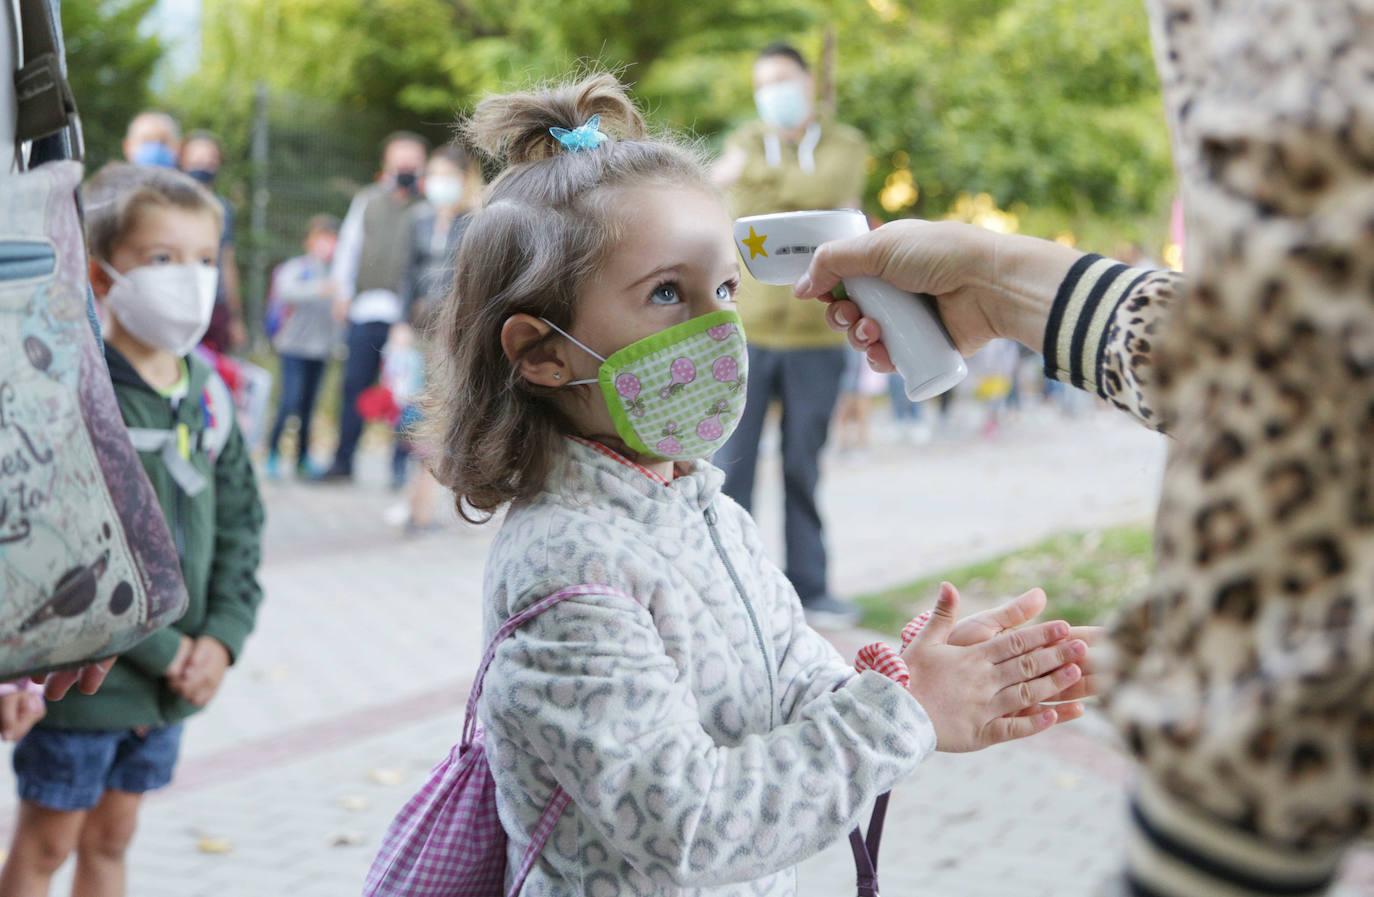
82, 771
301, 324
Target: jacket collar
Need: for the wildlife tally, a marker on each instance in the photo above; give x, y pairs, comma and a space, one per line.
122, 372
590, 471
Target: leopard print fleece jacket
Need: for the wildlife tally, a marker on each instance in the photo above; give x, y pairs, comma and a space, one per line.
708, 738
1247, 688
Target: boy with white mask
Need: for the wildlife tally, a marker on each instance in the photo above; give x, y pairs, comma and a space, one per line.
154, 237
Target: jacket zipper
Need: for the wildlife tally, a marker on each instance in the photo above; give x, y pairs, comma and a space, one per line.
178, 531
710, 514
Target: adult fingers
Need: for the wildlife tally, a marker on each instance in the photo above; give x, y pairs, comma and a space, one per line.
59, 683
9, 718
1027, 638
1016, 697
833, 261
1037, 663
93, 675
1090, 686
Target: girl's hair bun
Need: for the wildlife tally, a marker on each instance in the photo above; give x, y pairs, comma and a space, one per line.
515, 126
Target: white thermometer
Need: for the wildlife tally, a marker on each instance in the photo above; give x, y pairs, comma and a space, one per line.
778, 248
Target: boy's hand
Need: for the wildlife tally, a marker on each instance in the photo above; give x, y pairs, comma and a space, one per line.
984, 694
18, 713
178, 664
87, 679
204, 671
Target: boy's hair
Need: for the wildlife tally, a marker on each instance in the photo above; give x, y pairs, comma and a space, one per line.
783, 48
544, 230
322, 222
209, 137
119, 194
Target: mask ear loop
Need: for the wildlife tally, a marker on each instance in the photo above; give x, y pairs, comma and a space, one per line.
581, 345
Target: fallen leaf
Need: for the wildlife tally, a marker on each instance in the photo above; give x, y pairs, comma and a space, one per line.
207, 844
386, 776
347, 839
354, 802
1067, 781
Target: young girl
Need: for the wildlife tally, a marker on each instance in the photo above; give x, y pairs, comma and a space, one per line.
592, 360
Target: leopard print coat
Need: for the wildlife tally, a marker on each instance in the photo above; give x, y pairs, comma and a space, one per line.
709, 739
1247, 686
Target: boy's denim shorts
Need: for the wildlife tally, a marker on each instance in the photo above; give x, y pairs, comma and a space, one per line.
70, 770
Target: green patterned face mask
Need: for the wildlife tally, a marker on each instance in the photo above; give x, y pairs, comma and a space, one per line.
678, 394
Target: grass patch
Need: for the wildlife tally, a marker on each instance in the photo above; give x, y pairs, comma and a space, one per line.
1086, 576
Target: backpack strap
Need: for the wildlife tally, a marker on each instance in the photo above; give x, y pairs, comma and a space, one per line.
560, 798
45, 100
167, 443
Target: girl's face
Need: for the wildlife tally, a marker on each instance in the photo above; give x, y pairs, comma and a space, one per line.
675, 260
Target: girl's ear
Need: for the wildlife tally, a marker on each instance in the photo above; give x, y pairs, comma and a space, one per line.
539, 361
100, 279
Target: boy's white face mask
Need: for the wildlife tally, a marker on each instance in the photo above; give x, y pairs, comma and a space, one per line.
165, 306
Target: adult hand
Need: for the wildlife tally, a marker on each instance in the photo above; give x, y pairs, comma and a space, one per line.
87, 679
204, 670
991, 692
18, 713
986, 285
339, 311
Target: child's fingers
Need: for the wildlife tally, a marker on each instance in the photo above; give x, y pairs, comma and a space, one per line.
1035, 691
1009, 728
942, 618
1024, 640
9, 716
1018, 611
1040, 661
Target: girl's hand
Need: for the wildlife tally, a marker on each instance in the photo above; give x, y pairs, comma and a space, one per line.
994, 691
1021, 610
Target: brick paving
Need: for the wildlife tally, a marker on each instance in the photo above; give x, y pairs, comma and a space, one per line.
352, 686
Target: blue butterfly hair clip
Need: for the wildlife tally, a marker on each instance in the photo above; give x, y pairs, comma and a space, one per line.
585, 137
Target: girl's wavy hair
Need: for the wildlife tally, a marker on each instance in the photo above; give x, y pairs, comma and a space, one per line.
546, 225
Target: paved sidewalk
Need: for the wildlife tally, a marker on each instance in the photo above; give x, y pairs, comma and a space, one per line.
353, 685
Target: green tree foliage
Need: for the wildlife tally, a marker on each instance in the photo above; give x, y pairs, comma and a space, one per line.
1049, 106
109, 65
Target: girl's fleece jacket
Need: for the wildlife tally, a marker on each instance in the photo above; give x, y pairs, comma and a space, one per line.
708, 738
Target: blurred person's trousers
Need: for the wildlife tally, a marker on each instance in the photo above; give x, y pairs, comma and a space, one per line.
365, 342
300, 384
807, 382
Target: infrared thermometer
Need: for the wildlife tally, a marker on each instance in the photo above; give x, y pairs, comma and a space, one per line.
777, 249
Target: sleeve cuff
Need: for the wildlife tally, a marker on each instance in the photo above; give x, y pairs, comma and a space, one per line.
229, 631
155, 653
1176, 849
1084, 306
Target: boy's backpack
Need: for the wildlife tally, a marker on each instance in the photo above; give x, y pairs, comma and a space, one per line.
87, 564
447, 841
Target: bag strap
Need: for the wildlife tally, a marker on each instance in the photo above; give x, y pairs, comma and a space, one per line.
514, 622
560, 798
866, 849
46, 104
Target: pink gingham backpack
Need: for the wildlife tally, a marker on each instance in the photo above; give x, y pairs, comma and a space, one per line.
447, 841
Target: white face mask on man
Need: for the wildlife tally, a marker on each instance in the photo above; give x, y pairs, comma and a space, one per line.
164, 306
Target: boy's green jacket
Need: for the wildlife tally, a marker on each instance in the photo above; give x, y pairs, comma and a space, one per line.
218, 534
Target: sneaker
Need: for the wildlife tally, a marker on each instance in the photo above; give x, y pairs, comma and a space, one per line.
272, 469
335, 474
829, 612
306, 470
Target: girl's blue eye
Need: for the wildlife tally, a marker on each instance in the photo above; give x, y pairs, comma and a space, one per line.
725, 293
160, 258
665, 294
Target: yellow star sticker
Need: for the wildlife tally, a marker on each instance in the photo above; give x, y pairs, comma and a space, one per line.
755, 243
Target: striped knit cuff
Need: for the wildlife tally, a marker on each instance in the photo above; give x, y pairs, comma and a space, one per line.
1076, 333
1174, 850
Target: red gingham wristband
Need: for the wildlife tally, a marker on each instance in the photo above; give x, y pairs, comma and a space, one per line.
883, 658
